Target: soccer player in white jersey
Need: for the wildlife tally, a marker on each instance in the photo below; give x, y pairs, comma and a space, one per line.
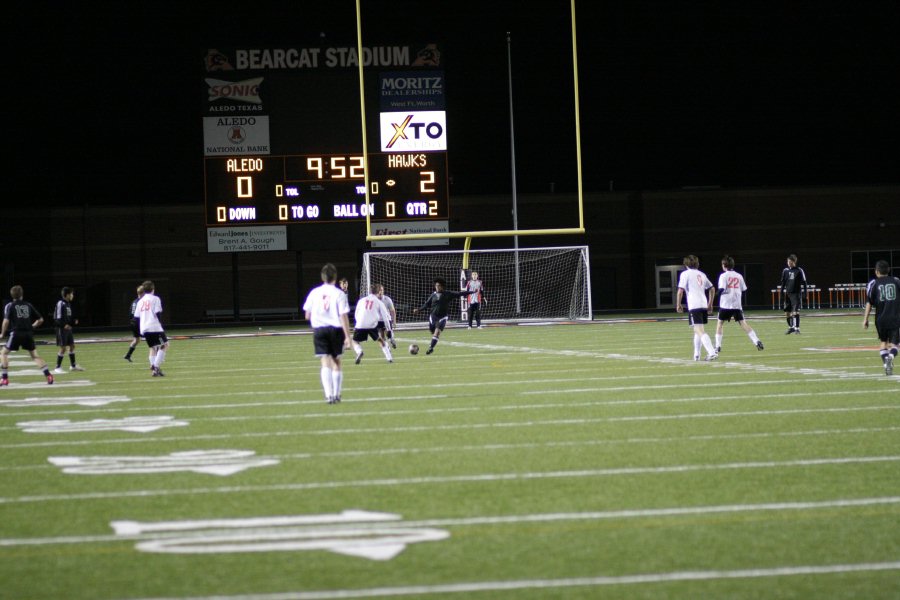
697, 286
147, 311
326, 308
386, 329
731, 287
370, 312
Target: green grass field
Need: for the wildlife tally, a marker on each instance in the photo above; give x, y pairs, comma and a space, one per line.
521, 462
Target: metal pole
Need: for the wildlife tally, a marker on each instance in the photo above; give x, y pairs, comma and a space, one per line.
512, 152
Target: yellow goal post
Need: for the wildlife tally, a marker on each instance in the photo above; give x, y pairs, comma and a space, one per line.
472, 234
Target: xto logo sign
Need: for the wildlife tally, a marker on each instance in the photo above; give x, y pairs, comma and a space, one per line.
413, 131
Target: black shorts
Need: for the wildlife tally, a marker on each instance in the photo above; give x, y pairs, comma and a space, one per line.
361, 335
64, 337
25, 341
726, 314
792, 302
888, 334
698, 316
436, 324
155, 338
328, 341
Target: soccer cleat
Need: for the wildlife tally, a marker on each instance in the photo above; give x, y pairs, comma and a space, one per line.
889, 365
718, 349
696, 357
481, 327
334, 400
76, 368
359, 357
468, 327
712, 357
128, 358
759, 345
58, 370
797, 330
4, 381
789, 331
429, 351
49, 379
393, 344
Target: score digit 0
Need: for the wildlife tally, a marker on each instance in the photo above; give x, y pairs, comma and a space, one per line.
244, 187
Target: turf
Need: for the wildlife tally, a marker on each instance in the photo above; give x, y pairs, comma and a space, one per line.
527, 462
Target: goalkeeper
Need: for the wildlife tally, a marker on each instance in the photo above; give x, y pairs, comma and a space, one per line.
439, 305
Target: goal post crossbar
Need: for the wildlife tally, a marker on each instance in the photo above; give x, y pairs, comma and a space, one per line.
466, 234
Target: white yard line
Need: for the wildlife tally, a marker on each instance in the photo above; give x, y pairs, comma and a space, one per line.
453, 479
526, 584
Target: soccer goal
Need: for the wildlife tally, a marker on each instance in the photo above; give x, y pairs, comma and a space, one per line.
519, 285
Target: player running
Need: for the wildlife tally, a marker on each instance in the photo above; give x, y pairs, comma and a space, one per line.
731, 287
370, 315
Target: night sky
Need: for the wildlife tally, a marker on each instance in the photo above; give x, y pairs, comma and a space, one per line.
103, 104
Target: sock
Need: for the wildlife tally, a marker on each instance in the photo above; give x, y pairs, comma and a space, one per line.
4, 373
46, 371
357, 348
434, 342
696, 344
337, 379
707, 343
72, 358
327, 382
59, 358
893, 352
387, 352
884, 355
130, 351
790, 321
719, 337
160, 357
753, 337
796, 321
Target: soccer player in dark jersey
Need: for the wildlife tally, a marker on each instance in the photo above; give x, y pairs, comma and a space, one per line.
793, 279
881, 294
20, 319
65, 338
439, 305
135, 324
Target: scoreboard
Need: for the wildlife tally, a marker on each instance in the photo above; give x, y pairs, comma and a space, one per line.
283, 136
316, 188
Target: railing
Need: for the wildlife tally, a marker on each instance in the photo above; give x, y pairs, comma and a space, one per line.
842, 295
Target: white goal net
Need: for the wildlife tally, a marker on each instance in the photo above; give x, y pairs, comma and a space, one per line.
520, 284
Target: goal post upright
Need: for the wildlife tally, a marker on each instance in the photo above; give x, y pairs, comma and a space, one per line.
579, 230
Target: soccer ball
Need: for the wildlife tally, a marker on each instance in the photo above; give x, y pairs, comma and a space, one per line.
413, 349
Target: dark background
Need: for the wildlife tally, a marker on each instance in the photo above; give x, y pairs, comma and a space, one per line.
103, 108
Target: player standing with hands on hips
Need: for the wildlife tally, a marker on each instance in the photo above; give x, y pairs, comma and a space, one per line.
793, 278
697, 285
65, 337
477, 286
326, 308
881, 293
